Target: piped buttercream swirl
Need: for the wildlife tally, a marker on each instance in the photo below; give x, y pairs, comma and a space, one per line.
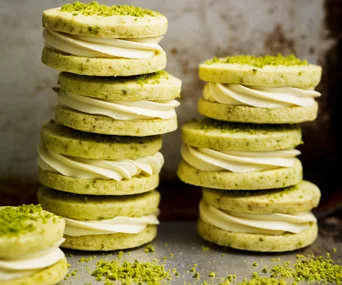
272, 223
206, 159
98, 47
259, 96
99, 169
119, 110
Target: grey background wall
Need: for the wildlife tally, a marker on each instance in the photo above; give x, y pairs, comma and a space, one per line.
198, 29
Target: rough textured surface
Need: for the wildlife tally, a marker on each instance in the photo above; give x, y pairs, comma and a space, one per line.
82, 207
219, 27
99, 124
110, 26
71, 142
155, 86
69, 184
279, 76
246, 114
48, 276
110, 242
299, 198
258, 242
245, 137
225, 180
102, 66
33, 234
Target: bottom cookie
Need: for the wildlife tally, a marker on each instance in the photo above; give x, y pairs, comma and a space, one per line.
257, 242
48, 276
110, 242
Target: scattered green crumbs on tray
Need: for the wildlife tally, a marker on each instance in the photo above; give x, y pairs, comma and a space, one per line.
259, 61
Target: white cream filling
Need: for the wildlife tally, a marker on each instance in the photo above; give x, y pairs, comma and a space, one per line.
102, 47
28, 264
273, 224
99, 169
127, 225
119, 110
206, 159
261, 97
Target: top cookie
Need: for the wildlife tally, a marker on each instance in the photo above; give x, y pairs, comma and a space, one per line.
28, 228
94, 19
276, 71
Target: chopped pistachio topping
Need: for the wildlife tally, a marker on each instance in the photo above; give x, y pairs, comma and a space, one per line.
127, 272
259, 61
153, 78
94, 8
22, 219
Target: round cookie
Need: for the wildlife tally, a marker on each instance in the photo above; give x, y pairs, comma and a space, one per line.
156, 86
257, 242
26, 229
108, 126
82, 207
276, 71
136, 185
102, 66
247, 114
226, 136
47, 276
111, 242
93, 19
224, 180
71, 142
298, 198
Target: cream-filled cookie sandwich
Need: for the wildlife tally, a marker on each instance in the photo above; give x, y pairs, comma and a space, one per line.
271, 220
104, 222
234, 156
99, 40
29, 246
261, 90
85, 163
134, 106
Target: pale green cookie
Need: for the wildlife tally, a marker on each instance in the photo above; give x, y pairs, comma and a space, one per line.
26, 229
277, 71
226, 136
225, 180
108, 126
47, 276
111, 242
299, 198
103, 66
135, 185
257, 242
155, 86
247, 114
82, 207
71, 142
98, 20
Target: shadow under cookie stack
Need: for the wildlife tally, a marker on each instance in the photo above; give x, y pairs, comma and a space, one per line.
99, 161
243, 154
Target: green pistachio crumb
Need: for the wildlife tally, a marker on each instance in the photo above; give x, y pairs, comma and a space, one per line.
129, 273
120, 254
212, 274
149, 248
255, 264
196, 275
259, 61
205, 248
94, 8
